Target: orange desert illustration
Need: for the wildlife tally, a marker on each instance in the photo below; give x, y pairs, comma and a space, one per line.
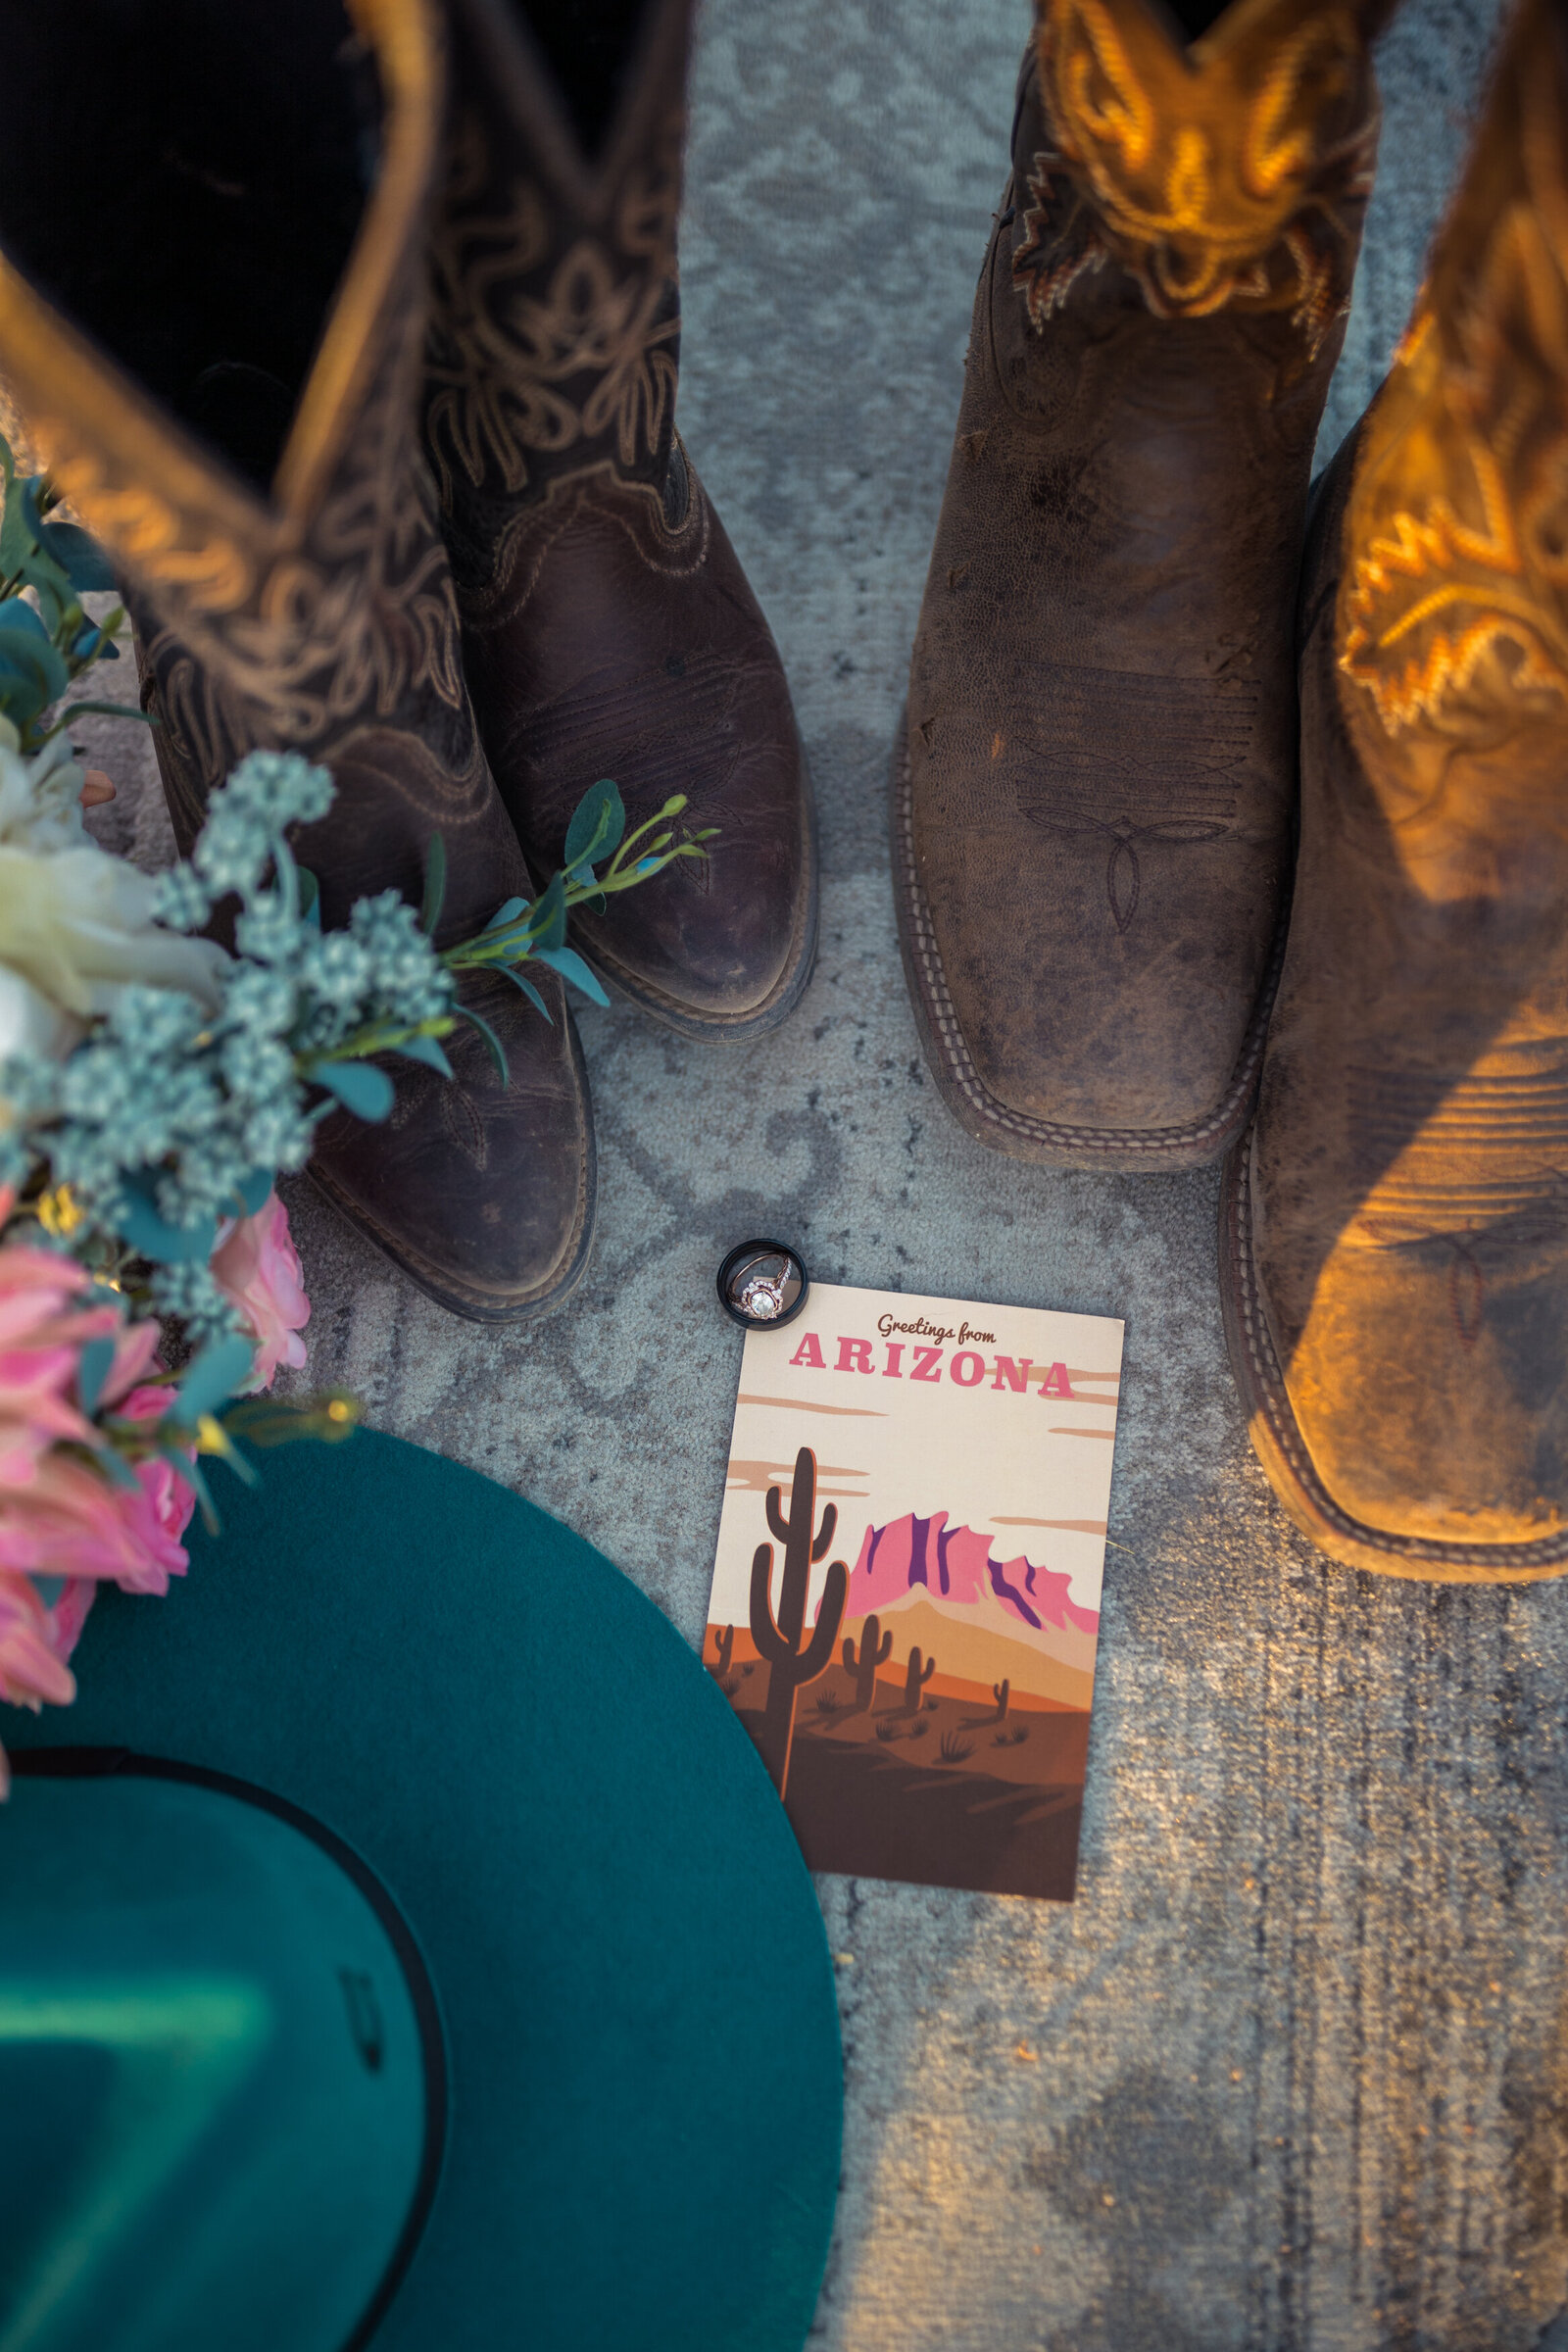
916, 1669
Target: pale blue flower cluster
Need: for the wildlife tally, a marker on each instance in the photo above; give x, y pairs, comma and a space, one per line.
168, 1116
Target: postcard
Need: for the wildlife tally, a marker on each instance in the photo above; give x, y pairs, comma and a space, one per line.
905, 1602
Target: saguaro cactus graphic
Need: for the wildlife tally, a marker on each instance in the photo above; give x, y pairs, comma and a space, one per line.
1001, 1692
873, 1654
724, 1642
792, 1660
915, 1678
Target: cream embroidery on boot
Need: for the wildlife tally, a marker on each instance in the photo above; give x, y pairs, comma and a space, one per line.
529, 358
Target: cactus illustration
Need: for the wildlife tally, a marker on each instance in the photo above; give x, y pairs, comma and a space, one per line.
1001, 1692
726, 1643
915, 1678
873, 1654
792, 1660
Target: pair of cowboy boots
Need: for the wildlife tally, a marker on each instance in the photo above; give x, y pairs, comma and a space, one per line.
351, 328
1141, 679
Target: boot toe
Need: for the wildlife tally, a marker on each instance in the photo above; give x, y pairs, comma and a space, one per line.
724, 943
1093, 988
482, 1193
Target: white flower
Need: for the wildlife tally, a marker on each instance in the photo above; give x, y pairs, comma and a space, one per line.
41, 798
30, 1024
77, 926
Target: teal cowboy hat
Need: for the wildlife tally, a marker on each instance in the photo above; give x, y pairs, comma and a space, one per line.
402, 1945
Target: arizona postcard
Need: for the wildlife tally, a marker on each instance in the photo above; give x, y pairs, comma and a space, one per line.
905, 1602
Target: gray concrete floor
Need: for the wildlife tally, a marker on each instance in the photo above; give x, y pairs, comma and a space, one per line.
1292, 2072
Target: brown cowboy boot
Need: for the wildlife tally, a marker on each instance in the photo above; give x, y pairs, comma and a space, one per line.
1093, 800
235, 417
1395, 1252
608, 630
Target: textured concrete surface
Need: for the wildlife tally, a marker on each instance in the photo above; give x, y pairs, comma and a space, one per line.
1292, 2075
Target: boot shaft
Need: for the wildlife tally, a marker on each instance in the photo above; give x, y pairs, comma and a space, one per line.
555, 329
211, 520
1228, 175
284, 571
1451, 616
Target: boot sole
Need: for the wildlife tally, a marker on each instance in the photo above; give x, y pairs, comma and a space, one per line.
479, 1307
980, 1112
1280, 1447
782, 998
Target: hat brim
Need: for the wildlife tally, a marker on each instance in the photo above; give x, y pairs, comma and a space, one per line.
638, 1997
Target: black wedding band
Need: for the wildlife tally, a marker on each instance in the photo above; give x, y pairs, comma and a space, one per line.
763, 1285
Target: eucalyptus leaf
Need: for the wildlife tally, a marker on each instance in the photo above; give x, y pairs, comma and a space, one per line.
217, 1440
497, 1052
358, 1085
58, 603
25, 646
151, 1235
116, 711
93, 1367
78, 555
506, 914
179, 1461
597, 825
23, 692
254, 1188
549, 919
529, 989
570, 966
428, 1050
18, 538
212, 1379
310, 897
267, 1421
17, 613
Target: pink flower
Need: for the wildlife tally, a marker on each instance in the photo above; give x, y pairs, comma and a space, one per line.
31, 1670
33, 1649
163, 1512
70, 1614
68, 1520
39, 1339
41, 1336
256, 1267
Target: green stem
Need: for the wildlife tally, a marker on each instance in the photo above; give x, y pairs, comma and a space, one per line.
376, 1038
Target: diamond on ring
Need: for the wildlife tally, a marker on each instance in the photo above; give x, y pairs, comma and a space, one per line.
763, 1296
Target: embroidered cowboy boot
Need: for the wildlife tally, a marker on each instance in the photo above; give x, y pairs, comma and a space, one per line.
608, 630
235, 419
1395, 1251
1094, 793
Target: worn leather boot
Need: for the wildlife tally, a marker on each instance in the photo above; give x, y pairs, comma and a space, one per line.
1093, 794
608, 630
234, 415
1394, 1260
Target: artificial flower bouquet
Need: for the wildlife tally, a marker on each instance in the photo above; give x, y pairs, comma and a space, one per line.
152, 1086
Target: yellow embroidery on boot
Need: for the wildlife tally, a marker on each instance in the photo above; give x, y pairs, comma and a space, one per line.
1122, 117
1453, 602
1232, 173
